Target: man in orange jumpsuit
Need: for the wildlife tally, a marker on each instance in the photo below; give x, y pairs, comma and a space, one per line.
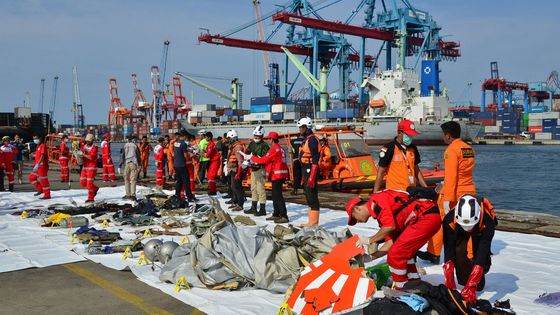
145, 149
458, 161
38, 176
160, 158
214, 161
325, 163
170, 153
64, 159
9, 151
87, 178
108, 166
399, 160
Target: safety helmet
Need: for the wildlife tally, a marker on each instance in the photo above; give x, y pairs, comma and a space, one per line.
106, 136
467, 212
5, 138
152, 248
166, 251
201, 132
305, 121
232, 134
258, 131
160, 139
89, 137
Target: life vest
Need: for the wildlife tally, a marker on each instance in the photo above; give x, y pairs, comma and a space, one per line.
105, 149
401, 172
404, 212
159, 153
305, 152
9, 152
232, 159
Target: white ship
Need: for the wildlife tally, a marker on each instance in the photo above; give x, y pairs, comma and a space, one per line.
393, 95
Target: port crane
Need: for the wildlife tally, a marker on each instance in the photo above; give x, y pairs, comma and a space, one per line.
118, 113
77, 109
41, 95
140, 109
235, 96
53, 98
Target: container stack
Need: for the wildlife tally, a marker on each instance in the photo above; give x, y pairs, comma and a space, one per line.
544, 126
509, 122
485, 118
232, 115
170, 127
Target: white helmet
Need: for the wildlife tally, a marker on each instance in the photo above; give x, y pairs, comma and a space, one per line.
305, 121
467, 212
258, 131
232, 134
201, 132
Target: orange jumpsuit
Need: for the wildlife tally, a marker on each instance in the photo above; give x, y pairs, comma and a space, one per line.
63, 159
145, 149
325, 163
170, 169
459, 160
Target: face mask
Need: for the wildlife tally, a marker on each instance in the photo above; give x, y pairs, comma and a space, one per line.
406, 140
257, 140
36, 141
66, 140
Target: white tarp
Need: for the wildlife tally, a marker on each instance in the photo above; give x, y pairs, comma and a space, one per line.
524, 266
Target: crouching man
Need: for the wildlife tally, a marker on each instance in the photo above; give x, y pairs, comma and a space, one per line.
406, 223
469, 220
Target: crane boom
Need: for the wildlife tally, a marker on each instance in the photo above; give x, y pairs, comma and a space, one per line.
262, 38
53, 98
41, 95
207, 87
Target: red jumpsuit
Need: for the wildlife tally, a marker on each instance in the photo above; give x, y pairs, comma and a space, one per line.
108, 167
89, 170
215, 159
39, 178
9, 151
414, 225
160, 157
64, 159
190, 167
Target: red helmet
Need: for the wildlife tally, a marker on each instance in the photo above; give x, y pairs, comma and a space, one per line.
106, 136
349, 207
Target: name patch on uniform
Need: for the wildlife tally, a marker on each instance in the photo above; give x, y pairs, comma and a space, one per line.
467, 153
382, 152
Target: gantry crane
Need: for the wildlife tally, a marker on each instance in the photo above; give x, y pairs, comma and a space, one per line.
53, 98
118, 113
140, 109
41, 95
77, 109
236, 89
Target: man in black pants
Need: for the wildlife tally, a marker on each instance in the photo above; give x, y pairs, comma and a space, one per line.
235, 159
180, 150
296, 143
309, 157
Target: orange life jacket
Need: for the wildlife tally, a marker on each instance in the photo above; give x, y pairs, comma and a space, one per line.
305, 152
232, 159
401, 172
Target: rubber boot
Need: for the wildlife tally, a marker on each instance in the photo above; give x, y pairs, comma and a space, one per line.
11, 187
262, 210
253, 209
313, 218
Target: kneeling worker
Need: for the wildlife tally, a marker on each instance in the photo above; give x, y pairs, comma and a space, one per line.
406, 224
468, 220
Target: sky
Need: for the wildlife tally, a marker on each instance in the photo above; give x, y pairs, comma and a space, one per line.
114, 38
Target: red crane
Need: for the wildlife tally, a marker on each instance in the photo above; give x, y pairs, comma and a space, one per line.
117, 111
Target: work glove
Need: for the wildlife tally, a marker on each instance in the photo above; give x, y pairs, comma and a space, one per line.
119, 171
157, 163
312, 180
448, 273
35, 167
439, 187
469, 291
364, 243
446, 206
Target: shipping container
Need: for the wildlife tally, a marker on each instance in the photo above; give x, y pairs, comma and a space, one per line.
549, 128
262, 116
539, 109
543, 136
209, 113
535, 129
281, 108
195, 114
549, 122
556, 135
260, 108
203, 107
291, 116
277, 116
534, 122
342, 113
321, 115
491, 129
483, 115
259, 100
486, 121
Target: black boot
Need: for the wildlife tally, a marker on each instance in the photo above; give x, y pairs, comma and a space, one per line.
11, 187
262, 210
253, 209
294, 192
428, 257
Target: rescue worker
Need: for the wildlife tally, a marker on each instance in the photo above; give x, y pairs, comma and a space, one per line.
108, 167
39, 175
192, 160
459, 160
310, 155
295, 144
18, 158
170, 152
226, 176
257, 147
2, 171
64, 159
145, 149
235, 159
277, 169
325, 164
9, 151
160, 159
214, 160
130, 159
89, 170
406, 224
203, 164
468, 221
180, 165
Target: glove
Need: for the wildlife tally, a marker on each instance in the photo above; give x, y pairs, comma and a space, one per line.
312, 180
365, 243
446, 207
226, 170
157, 163
245, 164
448, 273
35, 168
119, 171
469, 291
439, 187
